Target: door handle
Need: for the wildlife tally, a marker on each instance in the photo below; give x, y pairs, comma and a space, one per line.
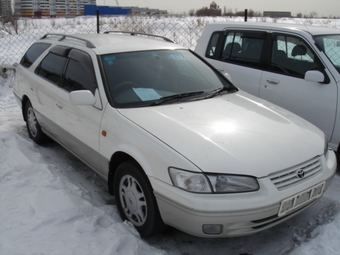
272, 81
59, 106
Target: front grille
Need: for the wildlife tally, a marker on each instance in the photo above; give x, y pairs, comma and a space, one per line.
288, 177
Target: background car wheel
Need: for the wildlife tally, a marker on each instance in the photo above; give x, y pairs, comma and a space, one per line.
135, 199
33, 127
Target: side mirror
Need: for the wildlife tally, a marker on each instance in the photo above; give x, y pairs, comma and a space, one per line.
82, 97
314, 76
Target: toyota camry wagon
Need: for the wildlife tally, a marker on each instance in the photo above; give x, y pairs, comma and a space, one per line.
177, 143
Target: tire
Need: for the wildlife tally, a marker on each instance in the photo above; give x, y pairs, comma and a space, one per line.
33, 127
135, 199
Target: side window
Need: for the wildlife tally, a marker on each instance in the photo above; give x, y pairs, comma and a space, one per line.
79, 73
330, 45
212, 45
243, 47
33, 53
51, 67
292, 56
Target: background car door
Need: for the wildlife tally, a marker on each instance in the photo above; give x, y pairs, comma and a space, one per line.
284, 84
80, 125
240, 57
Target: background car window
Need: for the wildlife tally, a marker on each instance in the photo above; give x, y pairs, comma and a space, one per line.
33, 53
243, 47
292, 56
212, 45
330, 45
51, 67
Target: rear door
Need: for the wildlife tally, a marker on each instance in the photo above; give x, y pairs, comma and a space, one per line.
49, 73
284, 84
239, 55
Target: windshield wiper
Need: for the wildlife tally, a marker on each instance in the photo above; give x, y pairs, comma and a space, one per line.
218, 91
176, 96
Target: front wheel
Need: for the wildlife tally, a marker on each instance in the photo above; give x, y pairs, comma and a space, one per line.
33, 127
135, 199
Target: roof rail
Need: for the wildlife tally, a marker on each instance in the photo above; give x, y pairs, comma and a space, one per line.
63, 36
142, 34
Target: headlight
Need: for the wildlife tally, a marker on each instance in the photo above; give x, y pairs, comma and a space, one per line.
190, 181
212, 183
233, 183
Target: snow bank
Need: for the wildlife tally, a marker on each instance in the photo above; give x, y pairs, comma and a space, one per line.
44, 212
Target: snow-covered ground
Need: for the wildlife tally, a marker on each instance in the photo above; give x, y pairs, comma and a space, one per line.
51, 203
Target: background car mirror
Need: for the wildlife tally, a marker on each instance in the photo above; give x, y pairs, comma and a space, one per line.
82, 97
314, 76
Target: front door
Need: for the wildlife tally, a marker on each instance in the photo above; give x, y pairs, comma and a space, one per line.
284, 84
79, 124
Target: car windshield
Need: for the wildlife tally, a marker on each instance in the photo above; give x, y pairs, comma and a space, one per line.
157, 77
330, 45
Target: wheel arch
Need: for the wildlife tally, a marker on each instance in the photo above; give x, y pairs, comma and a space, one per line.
24, 100
118, 158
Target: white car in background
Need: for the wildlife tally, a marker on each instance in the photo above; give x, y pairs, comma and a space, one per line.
294, 66
177, 143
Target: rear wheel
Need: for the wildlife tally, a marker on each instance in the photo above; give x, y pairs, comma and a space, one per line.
33, 127
135, 199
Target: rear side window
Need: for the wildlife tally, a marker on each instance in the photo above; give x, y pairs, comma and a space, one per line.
33, 53
243, 47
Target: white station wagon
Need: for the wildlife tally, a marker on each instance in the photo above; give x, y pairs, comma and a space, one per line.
178, 144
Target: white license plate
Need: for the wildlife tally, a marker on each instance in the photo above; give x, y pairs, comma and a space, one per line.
298, 200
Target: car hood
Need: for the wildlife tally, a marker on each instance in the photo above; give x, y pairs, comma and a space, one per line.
233, 133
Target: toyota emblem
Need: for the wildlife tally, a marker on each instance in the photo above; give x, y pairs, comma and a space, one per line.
300, 173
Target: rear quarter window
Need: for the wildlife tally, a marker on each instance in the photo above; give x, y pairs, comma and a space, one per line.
212, 44
33, 53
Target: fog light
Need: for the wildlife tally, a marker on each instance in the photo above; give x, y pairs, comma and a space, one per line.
212, 229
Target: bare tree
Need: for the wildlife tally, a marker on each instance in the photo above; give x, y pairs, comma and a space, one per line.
312, 15
9, 24
228, 12
192, 12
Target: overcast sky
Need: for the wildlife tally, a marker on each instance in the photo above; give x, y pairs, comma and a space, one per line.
325, 8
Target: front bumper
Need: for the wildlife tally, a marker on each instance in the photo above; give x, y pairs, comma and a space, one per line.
234, 214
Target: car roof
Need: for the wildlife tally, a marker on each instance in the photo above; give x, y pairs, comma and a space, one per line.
287, 27
114, 43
